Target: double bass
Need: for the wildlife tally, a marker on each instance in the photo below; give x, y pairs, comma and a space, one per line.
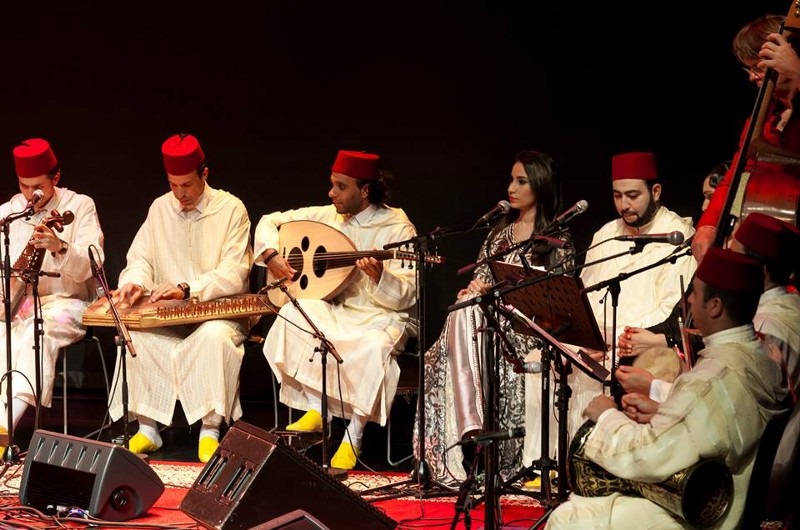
765, 175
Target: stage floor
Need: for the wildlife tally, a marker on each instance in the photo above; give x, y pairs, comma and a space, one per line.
87, 409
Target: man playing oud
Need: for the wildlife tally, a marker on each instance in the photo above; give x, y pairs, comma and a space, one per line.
366, 322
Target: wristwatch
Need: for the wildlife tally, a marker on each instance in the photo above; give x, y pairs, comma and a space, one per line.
186, 291
63, 249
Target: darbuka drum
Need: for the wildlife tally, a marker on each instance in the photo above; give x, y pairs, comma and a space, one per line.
701, 494
662, 362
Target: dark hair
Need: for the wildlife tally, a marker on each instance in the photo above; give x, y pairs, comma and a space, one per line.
740, 307
747, 42
379, 189
780, 270
542, 172
53, 173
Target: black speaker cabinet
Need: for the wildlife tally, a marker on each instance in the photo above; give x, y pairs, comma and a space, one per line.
253, 478
106, 480
295, 520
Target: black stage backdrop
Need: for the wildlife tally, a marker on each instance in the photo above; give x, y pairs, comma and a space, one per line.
446, 92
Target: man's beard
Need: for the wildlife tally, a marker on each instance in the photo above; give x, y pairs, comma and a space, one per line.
646, 217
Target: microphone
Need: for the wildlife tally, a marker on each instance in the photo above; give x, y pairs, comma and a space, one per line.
274, 285
502, 208
565, 217
546, 242
509, 434
37, 196
96, 273
673, 238
533, 367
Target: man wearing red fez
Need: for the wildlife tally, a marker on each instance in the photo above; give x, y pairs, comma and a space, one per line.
776, 244
646, 298
194, 243
367, 315
61, 225
717, 410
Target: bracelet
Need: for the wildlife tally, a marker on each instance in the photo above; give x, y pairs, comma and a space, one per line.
266, 261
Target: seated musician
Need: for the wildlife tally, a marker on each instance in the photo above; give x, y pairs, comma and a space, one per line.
365, 323
719, 409
635, 341
195, 242
758, 46
64, 293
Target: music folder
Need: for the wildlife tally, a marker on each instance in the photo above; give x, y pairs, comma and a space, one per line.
556, 305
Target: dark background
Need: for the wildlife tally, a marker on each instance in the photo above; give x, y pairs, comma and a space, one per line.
445, 92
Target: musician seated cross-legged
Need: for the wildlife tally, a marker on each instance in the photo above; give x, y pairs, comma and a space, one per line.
195, 242
49, 247
365, 319
717, 410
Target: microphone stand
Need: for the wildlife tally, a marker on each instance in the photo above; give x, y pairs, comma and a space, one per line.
508, 250
613, 285
38, 331
420, 475
324, 349
123, 343
11, 454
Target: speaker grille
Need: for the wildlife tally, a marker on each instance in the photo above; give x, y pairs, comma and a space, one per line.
42, 494
106, 480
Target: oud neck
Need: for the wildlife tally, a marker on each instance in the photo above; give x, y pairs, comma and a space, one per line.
348, 259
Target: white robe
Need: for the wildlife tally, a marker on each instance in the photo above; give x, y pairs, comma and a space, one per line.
645, 299
366, 323
208, 248
719, 409
63, 298
778, 319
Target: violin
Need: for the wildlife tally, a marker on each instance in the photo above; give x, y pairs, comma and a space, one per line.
28, 265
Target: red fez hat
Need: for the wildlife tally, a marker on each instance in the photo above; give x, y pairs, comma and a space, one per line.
634, 165
34, 157
361, 166
768, 237
182, 154
731, 271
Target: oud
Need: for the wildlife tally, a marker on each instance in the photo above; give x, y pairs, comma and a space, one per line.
28, 266
324, 259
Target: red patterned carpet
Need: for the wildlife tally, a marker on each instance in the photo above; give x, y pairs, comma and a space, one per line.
410, 512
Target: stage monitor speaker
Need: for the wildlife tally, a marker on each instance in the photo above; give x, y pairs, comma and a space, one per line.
295, 520
106, 480
253, 478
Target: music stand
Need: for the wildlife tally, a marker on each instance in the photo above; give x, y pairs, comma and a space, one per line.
560, 307
558, 304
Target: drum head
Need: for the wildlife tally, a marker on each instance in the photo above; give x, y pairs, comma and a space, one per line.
663, 363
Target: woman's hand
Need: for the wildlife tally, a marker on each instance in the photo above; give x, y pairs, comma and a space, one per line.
475, 288
633, 341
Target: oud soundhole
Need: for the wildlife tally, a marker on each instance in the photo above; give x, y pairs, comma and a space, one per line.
320, 262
